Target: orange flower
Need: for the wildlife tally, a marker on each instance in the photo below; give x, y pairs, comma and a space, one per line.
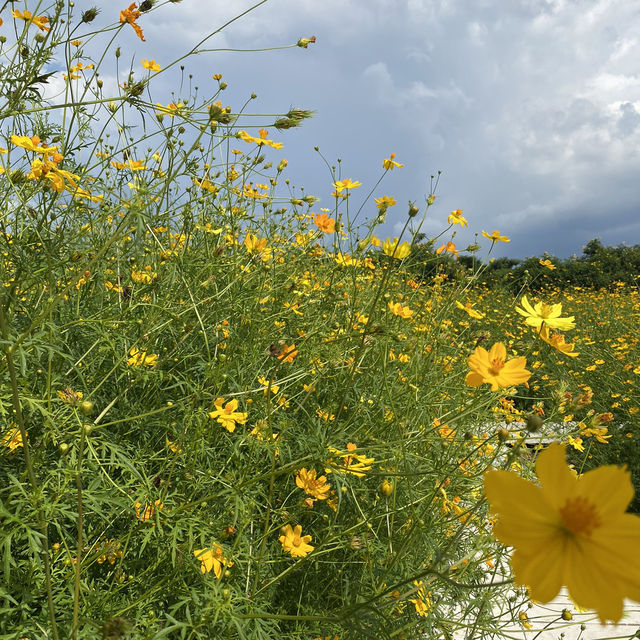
130, 15
325, 223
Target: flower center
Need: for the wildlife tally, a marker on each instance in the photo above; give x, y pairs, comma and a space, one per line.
580, 516
495, 366
545, 310
296, 541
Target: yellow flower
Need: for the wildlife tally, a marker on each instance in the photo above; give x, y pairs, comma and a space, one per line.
496, 237
548, 264
130, 16
456, 217
384, 202
350, 462
341, 185
149, 509
32, 144
312, 485
422, 602
212, 558
69, 396
325, 223
261, 141
294, 543
139, 358
491, 367
397, 309
170, 110
40, 21
571, 530
152, 65
12, 439
227, 416
389, 163
395, 250
544, 313
287, 353
468, 307
556, 340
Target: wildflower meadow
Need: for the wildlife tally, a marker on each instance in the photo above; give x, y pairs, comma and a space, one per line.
229, 412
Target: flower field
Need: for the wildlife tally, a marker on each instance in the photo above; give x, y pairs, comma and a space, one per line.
229, 412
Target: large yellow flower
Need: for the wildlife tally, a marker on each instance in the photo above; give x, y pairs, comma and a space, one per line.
572, 530
544, 313
493, 368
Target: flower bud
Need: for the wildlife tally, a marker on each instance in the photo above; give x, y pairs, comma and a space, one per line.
386, 488
413, 210
86, 406
567, 615
305, 42
533, 422
90, 15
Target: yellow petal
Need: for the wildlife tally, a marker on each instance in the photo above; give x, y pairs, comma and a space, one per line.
609, 488
558, 483
542, 571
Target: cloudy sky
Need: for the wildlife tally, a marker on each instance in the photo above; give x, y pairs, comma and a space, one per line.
530, 108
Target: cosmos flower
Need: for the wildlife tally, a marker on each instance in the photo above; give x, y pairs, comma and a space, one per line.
542, 313
570, 530
456, 217
389, 163
130, 16
495, 236
294, 542
313, 485
227, 415
212, 558
491, 367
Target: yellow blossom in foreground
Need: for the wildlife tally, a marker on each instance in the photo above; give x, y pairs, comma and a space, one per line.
493, 368
152, 65
139, 358
12, 439
395, 250
548, 264
389, 163
212, 558
571, 530
313, 485
543, 313
495, 236
227, 415
456, 217
294, 542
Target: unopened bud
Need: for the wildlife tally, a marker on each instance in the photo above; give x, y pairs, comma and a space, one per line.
413, 210
534, 423
305, 42
567, 615
90, 15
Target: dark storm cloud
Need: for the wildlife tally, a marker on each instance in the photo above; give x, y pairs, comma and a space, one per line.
531, 108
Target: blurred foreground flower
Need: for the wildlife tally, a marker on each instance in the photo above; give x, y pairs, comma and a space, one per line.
493, 368
572, 530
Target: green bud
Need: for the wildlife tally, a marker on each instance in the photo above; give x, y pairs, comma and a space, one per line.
90, 15
534, 423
